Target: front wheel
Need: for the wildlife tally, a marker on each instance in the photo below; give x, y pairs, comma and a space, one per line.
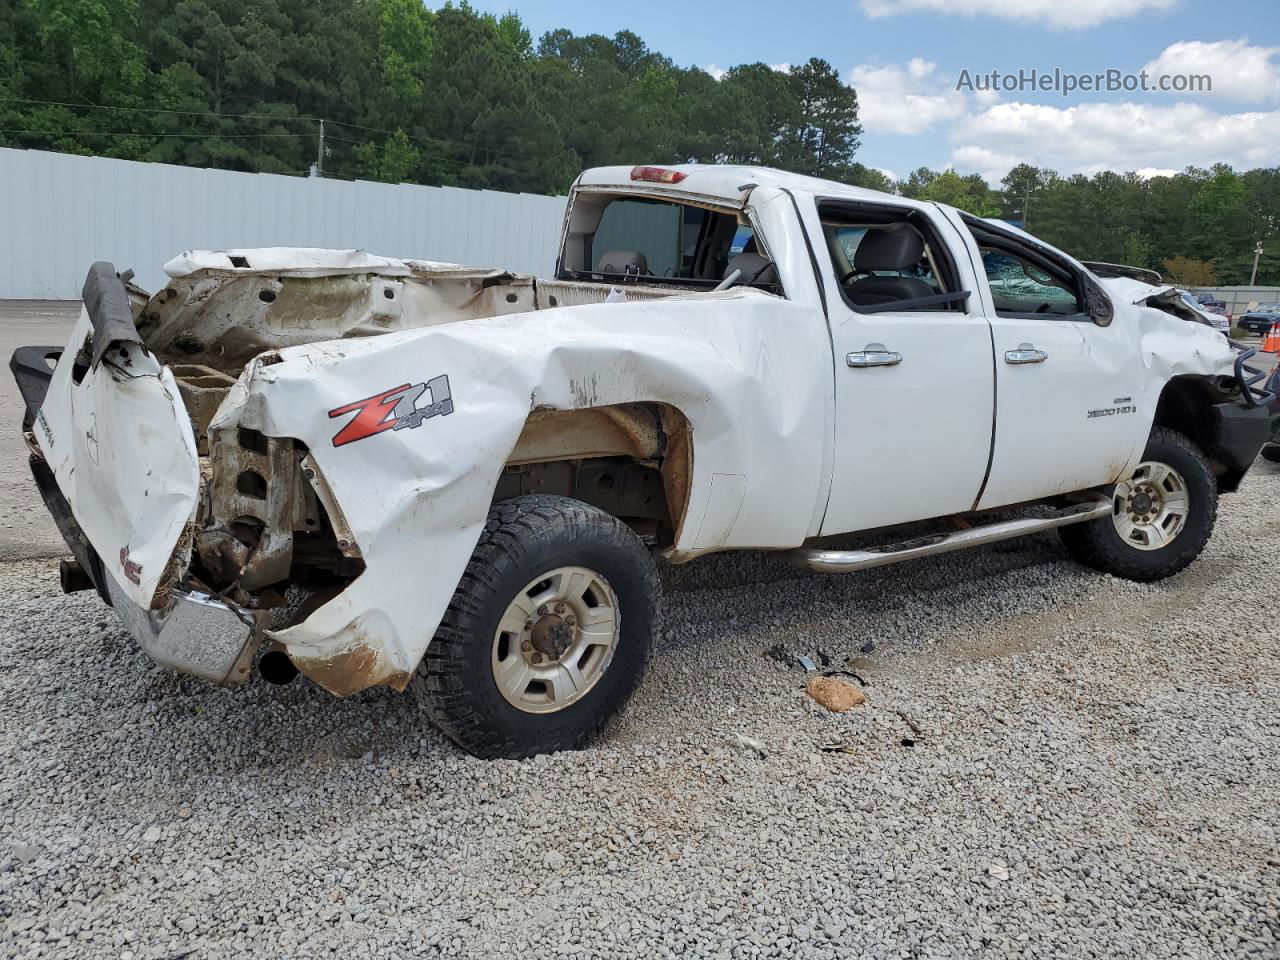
1161, 517
547, 634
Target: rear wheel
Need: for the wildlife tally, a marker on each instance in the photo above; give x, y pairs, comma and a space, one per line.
1161, 517
547, 634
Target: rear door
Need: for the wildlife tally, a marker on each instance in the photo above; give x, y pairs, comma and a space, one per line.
1067, 386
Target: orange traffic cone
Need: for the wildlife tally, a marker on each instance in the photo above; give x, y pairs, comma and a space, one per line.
1271, 342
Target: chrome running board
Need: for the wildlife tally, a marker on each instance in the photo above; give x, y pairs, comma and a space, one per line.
846, 561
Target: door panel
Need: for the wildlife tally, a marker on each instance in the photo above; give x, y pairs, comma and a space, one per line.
1066, 422
912, 437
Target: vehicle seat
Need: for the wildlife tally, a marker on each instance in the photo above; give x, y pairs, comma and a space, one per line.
755, 269
887, 250
628, 262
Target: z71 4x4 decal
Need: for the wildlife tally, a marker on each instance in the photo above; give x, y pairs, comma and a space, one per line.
394, 409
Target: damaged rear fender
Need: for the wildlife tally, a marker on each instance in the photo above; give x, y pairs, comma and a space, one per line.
410, 433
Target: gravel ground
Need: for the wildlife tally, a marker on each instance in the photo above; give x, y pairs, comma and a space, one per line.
1050, 763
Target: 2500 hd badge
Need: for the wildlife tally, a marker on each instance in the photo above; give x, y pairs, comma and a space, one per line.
1121, 405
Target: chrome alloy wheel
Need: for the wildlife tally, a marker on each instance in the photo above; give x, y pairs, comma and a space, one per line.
555, 640
1150, 508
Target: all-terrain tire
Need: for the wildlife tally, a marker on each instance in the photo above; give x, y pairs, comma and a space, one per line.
1098, 543
523, 538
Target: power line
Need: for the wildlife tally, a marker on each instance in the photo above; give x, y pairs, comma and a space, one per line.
175, 113
462, 164
277, 119
126, 133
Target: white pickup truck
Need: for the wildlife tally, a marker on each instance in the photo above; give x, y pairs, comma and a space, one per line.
380, 471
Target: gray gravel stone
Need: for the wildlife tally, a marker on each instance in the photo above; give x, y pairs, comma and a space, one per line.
1093, 774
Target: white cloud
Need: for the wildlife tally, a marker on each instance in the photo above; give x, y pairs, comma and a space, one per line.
717, 72
904, 99
1239, 70
1153, 138
1055, 13
888, 173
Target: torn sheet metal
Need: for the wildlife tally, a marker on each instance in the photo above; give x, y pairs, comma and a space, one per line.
121, 447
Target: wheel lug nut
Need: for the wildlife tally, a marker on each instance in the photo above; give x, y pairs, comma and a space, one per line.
570, 620
542, 610
536, 658
526, 646
559, 608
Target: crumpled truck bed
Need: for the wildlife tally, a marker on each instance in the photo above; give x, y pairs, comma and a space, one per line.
404, 388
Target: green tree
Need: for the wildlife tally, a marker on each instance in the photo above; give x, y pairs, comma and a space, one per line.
825, 136
970, 193
392, 161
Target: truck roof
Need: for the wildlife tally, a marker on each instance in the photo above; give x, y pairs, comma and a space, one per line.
725, 182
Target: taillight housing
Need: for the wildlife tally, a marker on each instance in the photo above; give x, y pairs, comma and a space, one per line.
657, 174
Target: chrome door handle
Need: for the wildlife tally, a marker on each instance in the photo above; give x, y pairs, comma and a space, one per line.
874, 355
1025, 353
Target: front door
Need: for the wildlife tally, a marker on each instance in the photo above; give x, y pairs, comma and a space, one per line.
1066, 387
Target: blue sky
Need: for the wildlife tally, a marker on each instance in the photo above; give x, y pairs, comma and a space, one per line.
905, 56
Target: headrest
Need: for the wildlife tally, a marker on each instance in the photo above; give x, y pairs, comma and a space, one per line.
624, 261
888, 250
755, 268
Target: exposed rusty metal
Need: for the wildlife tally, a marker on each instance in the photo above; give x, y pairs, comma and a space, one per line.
628, 429
356, 668
677, 464
203, 389
252, 502
346, 540
229, 319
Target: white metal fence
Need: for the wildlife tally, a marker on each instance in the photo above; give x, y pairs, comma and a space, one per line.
59, 213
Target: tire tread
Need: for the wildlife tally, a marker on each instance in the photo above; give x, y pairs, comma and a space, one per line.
445, 671
1095, 544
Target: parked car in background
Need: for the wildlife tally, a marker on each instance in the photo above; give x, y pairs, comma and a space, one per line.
1260, 318
1216, 320
1218, 308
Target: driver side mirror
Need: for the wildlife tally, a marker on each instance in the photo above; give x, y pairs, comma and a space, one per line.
1097, 304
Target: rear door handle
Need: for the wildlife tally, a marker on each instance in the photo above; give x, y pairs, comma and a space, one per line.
1026, 353
874, 355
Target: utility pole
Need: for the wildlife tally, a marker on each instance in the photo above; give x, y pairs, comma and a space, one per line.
320, 152
1026, 208
1257, 252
